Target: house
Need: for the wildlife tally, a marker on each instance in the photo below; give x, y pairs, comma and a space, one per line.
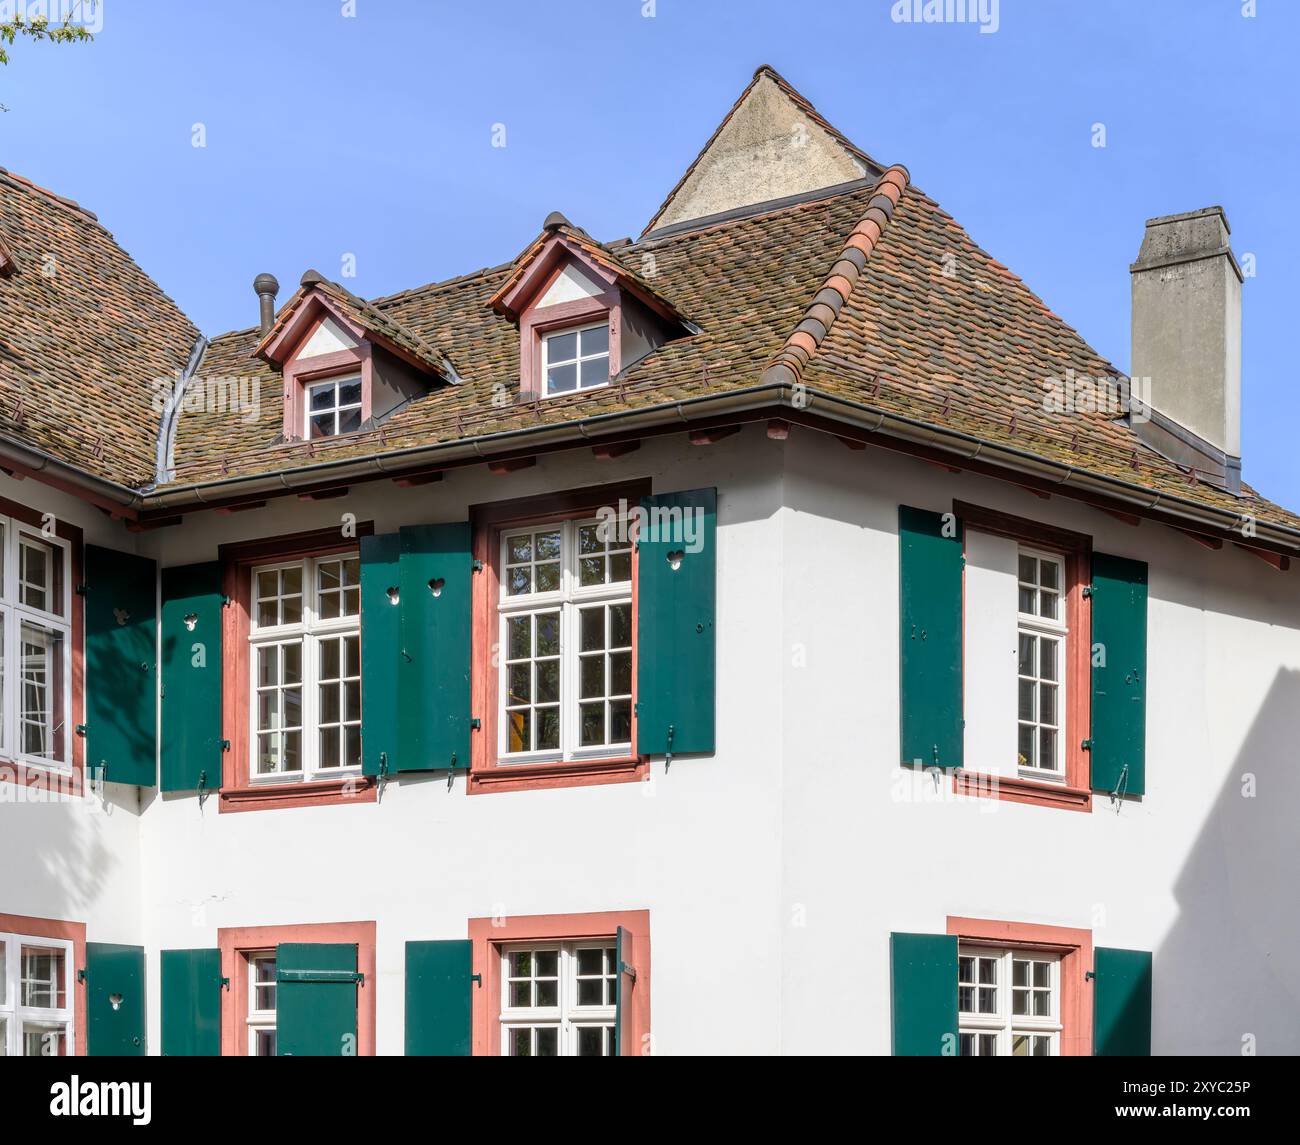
778, 633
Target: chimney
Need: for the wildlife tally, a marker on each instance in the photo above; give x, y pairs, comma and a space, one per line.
1186, 361
267, 288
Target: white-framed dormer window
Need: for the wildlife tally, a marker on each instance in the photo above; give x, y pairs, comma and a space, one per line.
35, 639
565, 617
559, 999
575, 359
333, 407
35, 997
261, 1004
1008, 1003
305, 668
1042, 636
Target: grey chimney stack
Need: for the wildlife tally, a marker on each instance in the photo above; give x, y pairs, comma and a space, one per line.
266, 288
1187, 343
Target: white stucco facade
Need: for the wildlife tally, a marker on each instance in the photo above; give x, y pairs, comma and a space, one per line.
775, 869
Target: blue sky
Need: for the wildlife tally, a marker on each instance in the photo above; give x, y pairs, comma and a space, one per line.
371, 135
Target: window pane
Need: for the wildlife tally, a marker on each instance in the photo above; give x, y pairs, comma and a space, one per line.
591, 570
1025, 745
548, 634
548, 576
322, 396
43, 979
44, 1040
1050, 575
620, 721
620, 674
561, 347
595, 372
1025, 709
1027, 643
548, 1042
548, 681
561, 379
548, 729
592, 724
322, 425
591, 629
1048, 659
350, 393
1028, 569
1047, 745
264, 1043
620, 567
1048, 604
548, 546
591, 1042
1047, 704
40, 580
620, 626
591, 677
595, 341
41, 695
519, 549
350, 420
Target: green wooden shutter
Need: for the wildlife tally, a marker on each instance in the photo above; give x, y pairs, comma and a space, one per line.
192, 618
930, 607
114, 1000
438, 999
1119, 671
624, 988
436, 582
677, 575
1121, 1011
380, 652
923, 980
191, 1003
316, 999
121, 689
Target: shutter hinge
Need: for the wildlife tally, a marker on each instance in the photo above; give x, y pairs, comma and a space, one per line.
668, 755
81, 730
478, 566
477, 978
320, 976
1088, 590
225, 745
476, 724
1091, 975
81, 590
1086, 745
226, 602
82, 976
224, 983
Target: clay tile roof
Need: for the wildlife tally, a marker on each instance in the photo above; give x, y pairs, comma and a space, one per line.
85, 337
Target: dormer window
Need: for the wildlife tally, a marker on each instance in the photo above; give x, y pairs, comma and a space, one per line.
348, 366
576, 359
333, 407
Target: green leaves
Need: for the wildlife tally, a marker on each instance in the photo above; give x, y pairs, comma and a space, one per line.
39, 29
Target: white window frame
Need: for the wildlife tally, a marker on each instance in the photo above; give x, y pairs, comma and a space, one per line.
256, 1020
336, 409
308, 634
1058, 631
1002, 1023
566, 1016
13, 1014
14, 613
569, 599
577, 361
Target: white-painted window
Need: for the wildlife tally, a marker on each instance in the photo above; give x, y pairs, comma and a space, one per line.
558, 999
1008, 1003
333, 407
35, 997
1041, 657
565, 610
35, 636
305, 666
261, 1004
576, 359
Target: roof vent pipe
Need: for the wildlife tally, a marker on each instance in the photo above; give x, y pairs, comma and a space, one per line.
266, 288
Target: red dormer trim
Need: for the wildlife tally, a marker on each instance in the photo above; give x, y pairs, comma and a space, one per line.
284, 346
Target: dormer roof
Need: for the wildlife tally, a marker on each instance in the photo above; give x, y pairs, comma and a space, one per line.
561, 242
316, 295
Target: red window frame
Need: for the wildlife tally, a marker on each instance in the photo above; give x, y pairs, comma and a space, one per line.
66, 784
238, 942
1075, 794
238, 792
1075, 949
488, 935
74, 932
488, 522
